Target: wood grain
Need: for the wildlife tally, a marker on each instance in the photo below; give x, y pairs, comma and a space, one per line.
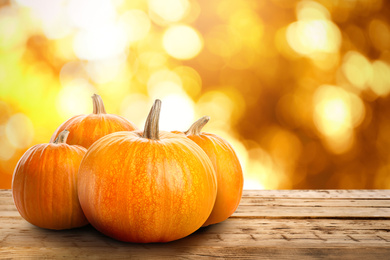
330, 224
331, 194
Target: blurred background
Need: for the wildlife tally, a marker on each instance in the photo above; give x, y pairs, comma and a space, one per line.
299, 88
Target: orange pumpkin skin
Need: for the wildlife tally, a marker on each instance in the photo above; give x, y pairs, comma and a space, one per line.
141, 190
44, 186
229, 175
86, 129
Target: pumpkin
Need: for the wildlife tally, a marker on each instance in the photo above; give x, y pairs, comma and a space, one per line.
44, 185
227, 167
150, 186
86, 129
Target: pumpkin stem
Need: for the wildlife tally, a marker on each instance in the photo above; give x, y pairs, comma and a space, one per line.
196, 127
151, 125
61, 139
98, 105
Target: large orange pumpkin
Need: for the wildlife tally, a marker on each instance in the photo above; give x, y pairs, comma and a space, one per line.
44, 185
86, 129
227, 167
150, 186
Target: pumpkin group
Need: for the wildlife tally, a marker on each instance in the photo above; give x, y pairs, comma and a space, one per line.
44, 185
134, 186
150, 186
86, 129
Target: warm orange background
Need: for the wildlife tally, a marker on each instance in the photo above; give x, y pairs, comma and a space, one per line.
300, 88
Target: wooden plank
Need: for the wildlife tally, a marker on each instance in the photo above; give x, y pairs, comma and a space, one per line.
228, 233
167, 252
245, 211
311, 212
287, 208
328, 194
5, 193
282, 202
10, 207
238, 225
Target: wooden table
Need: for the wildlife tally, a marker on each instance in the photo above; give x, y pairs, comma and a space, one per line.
294, 224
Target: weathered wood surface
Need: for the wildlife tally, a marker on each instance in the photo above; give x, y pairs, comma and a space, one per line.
323, 224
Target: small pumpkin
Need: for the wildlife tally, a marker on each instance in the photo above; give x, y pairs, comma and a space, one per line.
44, 185
150, 186
227, 167
86, 129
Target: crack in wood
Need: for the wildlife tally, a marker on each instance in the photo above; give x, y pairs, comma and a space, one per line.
328, 230
252, 237
211, 256
219, 237
352, 238
247, 230
4, 239
383, 238
286, 238
323, 239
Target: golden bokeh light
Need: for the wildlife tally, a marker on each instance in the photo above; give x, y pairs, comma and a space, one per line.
74, 98
152, 60
178, 112
299, 88
19, 131
336, 113
160, 76
100, 43
182, 42
7, 150
310, 10
87, 14
357, 69
135, 25
379, 32
218, 106
169, 10
191, 80
380, 80
259, 165
313, 36
106, 70
135, 106
217, 44
313, 33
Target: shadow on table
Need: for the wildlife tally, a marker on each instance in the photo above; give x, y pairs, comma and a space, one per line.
88, 242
